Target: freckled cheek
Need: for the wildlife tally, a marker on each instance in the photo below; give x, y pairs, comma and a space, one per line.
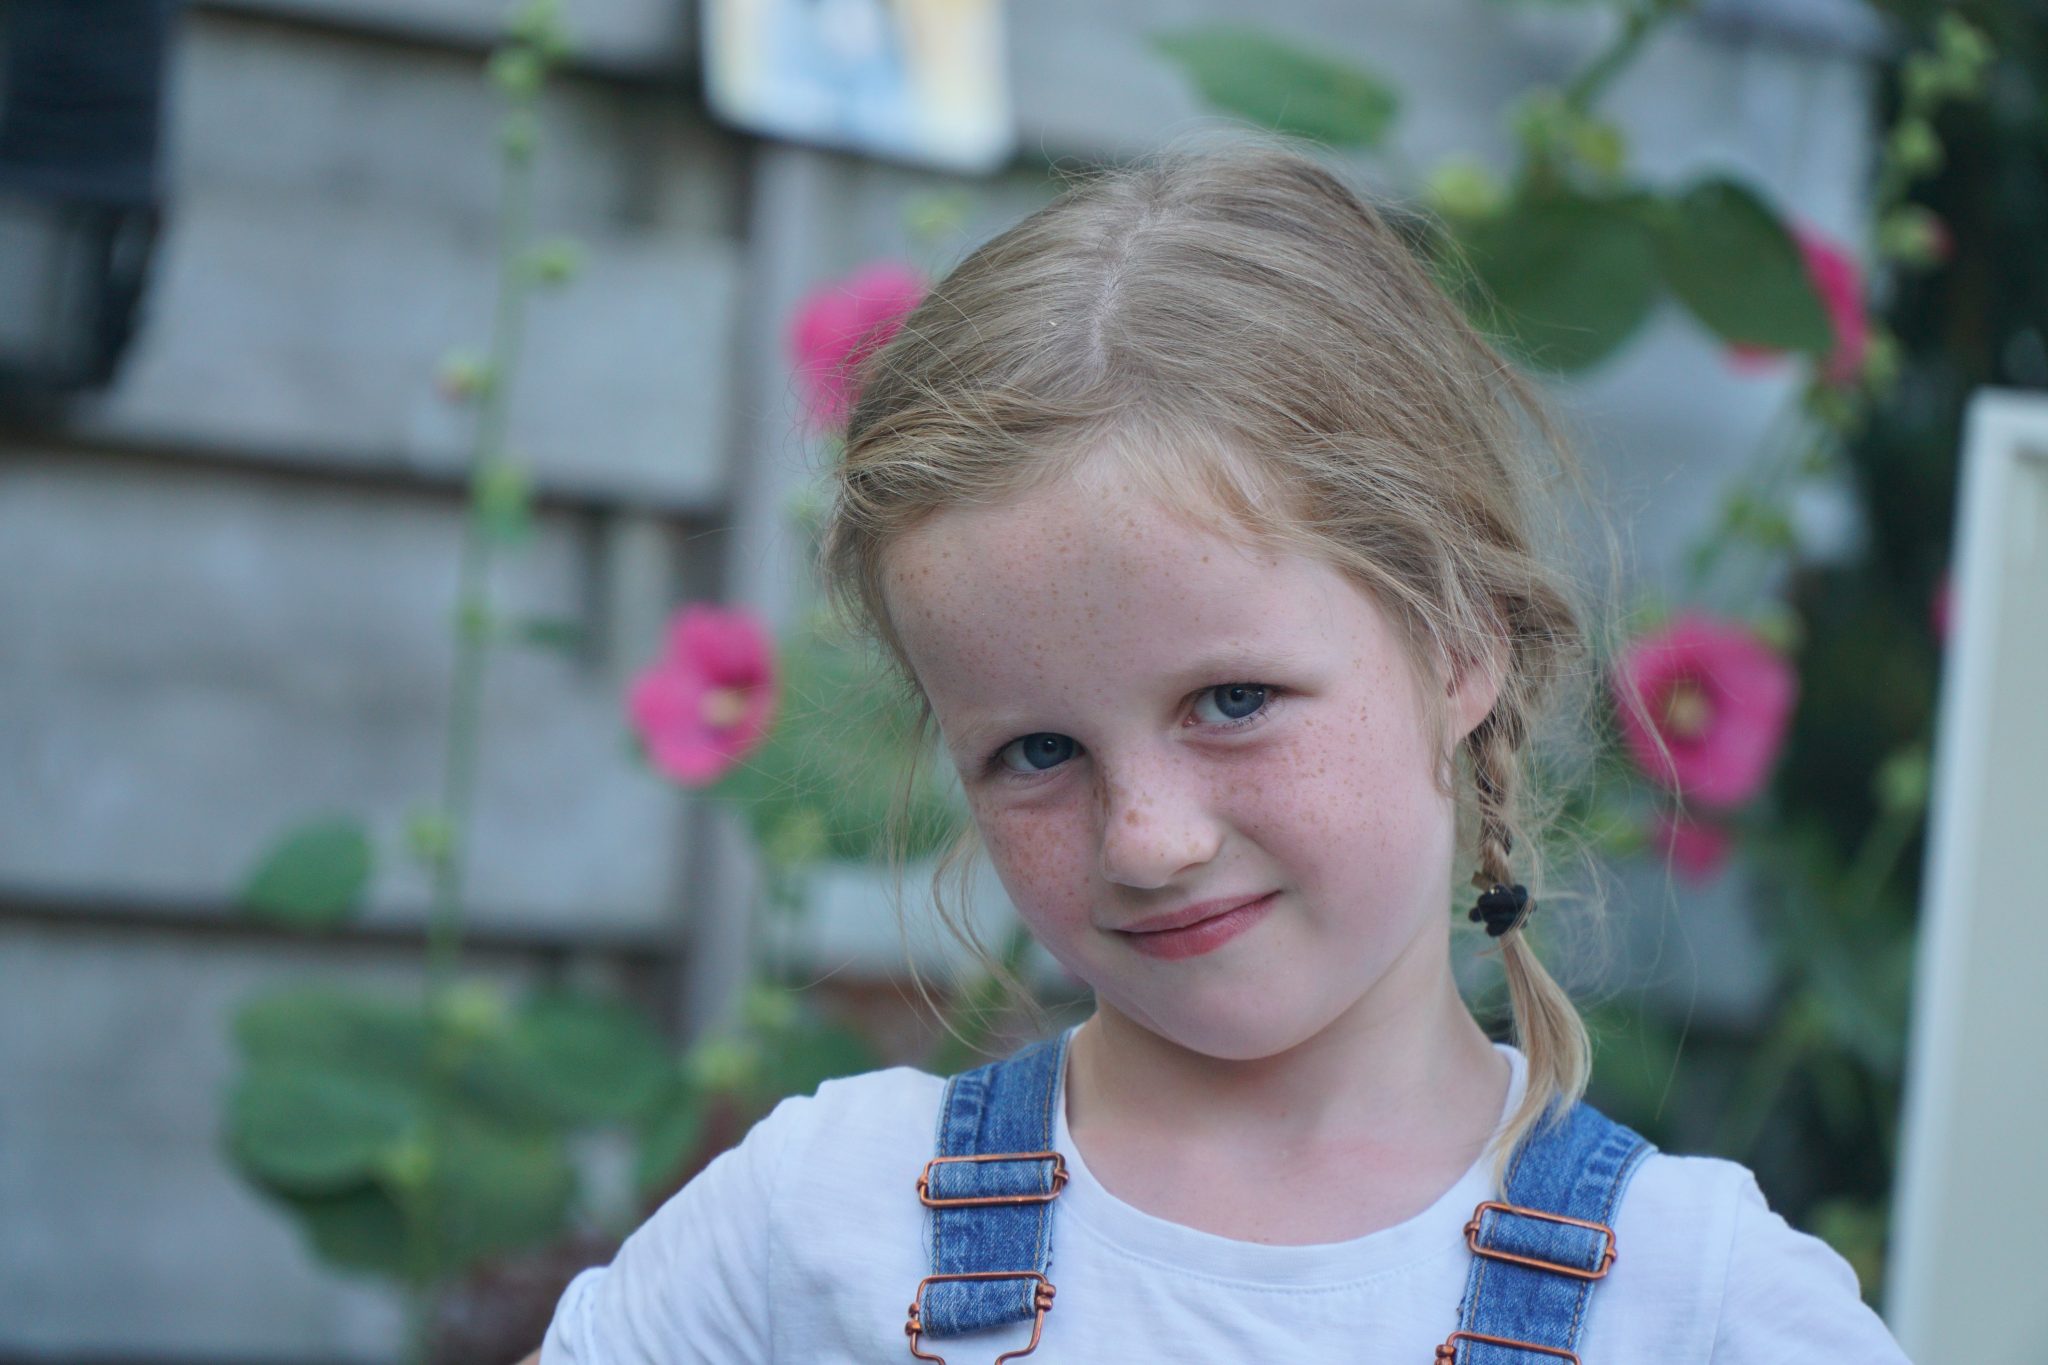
1332, 787
1045, 863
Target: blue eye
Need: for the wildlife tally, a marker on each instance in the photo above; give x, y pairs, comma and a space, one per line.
1238, 705
1041, 751
1238, 702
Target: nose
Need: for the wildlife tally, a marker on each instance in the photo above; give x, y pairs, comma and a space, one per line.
1156, 824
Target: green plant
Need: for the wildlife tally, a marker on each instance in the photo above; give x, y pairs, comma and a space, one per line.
412, 1137
416, 1136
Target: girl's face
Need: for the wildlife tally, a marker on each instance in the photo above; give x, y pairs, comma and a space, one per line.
1149, 717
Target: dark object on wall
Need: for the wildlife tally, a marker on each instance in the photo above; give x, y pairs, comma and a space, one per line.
81, 97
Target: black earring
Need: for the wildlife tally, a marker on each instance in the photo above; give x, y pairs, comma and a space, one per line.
1502, 908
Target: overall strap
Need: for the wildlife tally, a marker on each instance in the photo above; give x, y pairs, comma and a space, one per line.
1538, 1252
990, 1191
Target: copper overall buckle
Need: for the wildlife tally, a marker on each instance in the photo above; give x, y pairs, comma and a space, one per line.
1606, 1257
1041, 1300
1059, 1181
1447, 1354
1041, 1294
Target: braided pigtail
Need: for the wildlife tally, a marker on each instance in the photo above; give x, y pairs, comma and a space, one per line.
1547, 1026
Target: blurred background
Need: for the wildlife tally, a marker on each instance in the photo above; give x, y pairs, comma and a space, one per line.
434, 818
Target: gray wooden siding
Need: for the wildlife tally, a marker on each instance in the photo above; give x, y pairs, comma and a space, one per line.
223, 585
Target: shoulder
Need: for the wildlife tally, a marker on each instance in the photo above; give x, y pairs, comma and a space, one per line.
874, 1098
854, 1140
1698, 1193
770, 1222
850, 1125
1698, 1232
873, 1112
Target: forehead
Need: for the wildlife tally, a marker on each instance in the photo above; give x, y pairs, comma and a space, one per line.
1084, 579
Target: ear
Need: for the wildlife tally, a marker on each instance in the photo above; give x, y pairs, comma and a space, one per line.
1473, 687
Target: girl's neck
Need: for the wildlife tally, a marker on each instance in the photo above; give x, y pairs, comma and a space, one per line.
1386, 1074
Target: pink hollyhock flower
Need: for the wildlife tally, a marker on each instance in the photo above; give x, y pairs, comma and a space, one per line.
1838, 281
840, 324
1697, 850
1716, 696
707, 701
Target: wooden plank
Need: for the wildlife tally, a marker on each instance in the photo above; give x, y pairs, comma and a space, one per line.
339, 118
637, 35
332, 219
279, 329
198, 659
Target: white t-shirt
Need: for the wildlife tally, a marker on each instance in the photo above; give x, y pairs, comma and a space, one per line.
804, 1244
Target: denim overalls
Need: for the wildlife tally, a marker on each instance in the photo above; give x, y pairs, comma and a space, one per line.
991, 1187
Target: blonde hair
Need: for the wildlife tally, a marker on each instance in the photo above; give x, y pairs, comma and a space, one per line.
1245, 336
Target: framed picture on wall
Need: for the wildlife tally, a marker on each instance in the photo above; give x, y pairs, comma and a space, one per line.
922, 81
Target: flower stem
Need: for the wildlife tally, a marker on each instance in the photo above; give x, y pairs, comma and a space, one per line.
427, 1249
1877, 857
1638, 22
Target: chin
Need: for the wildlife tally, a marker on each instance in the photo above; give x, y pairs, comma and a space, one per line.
1241, 1031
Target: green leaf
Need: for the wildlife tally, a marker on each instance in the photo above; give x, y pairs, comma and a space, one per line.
824, 782
797, 1061
491, 1193
313, 877
315, 1131
1636, 1063
1735, 266
327, 1029
497, 1190
362, 1228
579, 1058
1860, 998
561, 634
1565, 280
334, 1115
670, 1132
1247, 72
1855, 1228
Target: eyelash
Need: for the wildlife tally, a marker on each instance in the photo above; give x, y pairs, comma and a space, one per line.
994, 762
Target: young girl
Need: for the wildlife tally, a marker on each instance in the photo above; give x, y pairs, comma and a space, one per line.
1200, 522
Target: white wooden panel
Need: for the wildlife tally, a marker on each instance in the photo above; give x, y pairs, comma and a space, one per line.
1964, 1284
283, 329
194, 660
332, 117
332, 233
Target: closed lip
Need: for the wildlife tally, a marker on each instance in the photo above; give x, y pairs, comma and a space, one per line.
1188, 915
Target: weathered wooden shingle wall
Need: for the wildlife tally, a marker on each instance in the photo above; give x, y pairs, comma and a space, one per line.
224, 587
